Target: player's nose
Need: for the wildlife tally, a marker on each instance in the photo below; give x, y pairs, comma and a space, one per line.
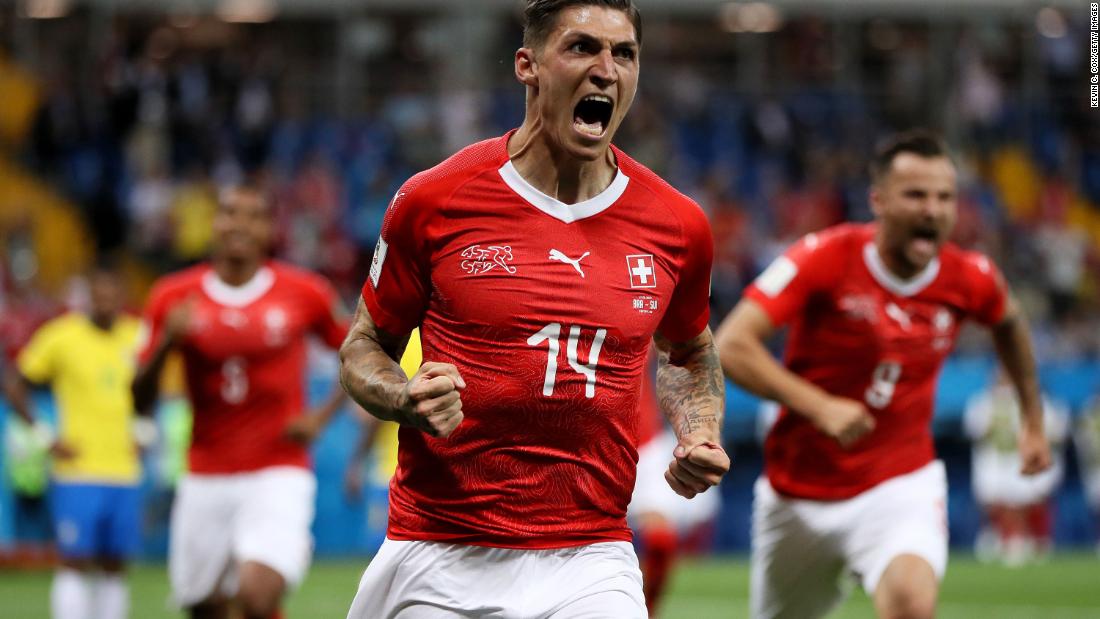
603, 72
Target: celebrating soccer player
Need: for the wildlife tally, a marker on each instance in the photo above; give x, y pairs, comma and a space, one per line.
851, 482
240, 523
539, 266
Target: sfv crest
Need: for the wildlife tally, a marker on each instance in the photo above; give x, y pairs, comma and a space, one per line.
478, 260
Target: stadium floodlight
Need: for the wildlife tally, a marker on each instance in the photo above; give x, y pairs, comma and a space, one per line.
1050, 23
247, 11
45, 9
759, 17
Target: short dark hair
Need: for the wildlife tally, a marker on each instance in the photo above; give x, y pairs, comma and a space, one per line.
921, 142
540, 17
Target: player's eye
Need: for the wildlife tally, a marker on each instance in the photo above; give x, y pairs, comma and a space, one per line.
581, 47
626, 53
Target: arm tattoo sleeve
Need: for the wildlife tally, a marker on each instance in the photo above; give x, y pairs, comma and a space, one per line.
690, 387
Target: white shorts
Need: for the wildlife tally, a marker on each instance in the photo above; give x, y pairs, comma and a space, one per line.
802, 551
431, 580
996, 479
653, 494
222, 521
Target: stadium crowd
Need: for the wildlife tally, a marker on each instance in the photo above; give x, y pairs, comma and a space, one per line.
144, 135
142, 143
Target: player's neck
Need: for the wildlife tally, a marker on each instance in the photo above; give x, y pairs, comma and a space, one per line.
234, 271
898, 266
554, 172
102, 321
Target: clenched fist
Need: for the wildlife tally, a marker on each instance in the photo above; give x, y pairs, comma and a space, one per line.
431, 401
844, 420
696, 466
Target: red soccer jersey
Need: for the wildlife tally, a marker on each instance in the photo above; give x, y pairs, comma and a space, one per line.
651, 421
859, 332
245, 360
547, 310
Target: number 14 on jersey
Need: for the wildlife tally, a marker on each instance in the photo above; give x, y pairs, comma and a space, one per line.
551, 334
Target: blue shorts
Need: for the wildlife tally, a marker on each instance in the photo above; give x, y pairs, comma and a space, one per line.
96, 520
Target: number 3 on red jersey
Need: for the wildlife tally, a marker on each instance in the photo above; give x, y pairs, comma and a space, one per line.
551, 334
234, 387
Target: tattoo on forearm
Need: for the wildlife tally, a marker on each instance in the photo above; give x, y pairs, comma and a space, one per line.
690, 386
691, 424
370, 372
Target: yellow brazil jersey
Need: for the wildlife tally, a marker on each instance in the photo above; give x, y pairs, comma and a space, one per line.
90, 371
385, 443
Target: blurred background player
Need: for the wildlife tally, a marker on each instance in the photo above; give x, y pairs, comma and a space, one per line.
1017, 507
665, 524
1086, 441
378, 439
851, 482
512, 461
88, 360
240, 523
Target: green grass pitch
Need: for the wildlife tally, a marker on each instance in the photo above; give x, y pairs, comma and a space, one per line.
1065, 587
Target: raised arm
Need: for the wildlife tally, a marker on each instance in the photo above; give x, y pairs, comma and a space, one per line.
146, 384
691, 393
747, 362
1013, 343
372, 376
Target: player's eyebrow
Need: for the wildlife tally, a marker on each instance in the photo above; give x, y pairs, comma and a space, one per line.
580, 36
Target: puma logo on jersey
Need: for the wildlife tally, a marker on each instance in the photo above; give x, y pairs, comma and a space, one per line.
899, 316
557, 255
479, 260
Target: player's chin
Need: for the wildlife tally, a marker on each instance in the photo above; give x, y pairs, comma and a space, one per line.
587, 150
585, 146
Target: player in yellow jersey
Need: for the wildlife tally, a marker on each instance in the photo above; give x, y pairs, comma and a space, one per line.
88, 360
379, 438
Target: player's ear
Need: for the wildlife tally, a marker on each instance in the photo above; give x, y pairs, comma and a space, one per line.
527, 68
875, 199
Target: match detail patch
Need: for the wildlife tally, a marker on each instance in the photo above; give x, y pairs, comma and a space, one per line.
777, 276
379, 257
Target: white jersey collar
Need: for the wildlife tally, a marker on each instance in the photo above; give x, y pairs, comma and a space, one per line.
238, 296
893, 283
557, 209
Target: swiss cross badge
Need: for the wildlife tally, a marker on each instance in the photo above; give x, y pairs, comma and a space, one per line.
642, 273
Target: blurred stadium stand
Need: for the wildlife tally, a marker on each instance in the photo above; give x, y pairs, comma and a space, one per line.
121, 119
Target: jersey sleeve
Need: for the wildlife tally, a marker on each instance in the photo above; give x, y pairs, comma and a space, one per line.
37, 362
397, 290
152, 323
331, 320
989, 294
689, 308
784, 288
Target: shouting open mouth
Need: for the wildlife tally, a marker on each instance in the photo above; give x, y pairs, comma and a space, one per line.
592, 115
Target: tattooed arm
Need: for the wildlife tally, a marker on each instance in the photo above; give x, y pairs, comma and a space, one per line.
691, 392
372, 376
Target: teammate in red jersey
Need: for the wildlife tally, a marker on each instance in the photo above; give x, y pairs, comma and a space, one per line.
240, 523
851, 481
539, 266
